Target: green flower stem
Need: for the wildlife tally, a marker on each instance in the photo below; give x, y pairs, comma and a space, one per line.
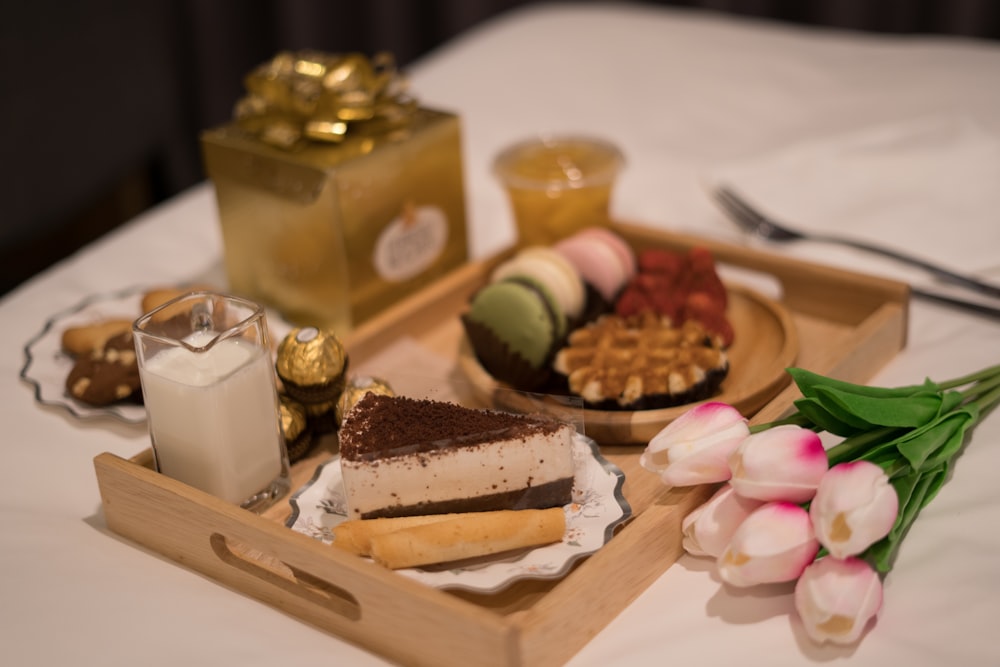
991, 372
856, 446
987, 401
796, 419
985, 387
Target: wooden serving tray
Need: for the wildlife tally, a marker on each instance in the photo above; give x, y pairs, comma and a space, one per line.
847, 325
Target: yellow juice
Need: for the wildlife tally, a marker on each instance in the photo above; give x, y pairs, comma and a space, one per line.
558, 186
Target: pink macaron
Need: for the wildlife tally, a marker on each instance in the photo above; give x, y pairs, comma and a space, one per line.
602, 258
617, 244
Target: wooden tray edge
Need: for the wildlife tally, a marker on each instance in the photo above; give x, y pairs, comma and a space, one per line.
522, 638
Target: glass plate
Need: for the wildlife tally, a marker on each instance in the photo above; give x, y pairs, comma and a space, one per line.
46, 365
598, 507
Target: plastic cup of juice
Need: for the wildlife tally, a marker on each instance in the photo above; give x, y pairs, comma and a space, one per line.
558, 185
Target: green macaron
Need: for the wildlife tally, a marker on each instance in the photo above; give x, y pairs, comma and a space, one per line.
515, 325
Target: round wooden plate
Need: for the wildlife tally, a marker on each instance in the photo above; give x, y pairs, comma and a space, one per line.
765, 344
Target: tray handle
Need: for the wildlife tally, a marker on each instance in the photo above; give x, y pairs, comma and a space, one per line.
293, 580
335, 591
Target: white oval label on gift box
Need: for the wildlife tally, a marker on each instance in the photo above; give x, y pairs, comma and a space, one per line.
410, 243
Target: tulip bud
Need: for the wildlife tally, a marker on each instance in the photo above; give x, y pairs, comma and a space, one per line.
782, 463
835, 598
774, 544
854, 507
709, 528
695, 447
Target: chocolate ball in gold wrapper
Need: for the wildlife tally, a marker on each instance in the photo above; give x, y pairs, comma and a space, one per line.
322, 416
312, 365
299, 436
355, 389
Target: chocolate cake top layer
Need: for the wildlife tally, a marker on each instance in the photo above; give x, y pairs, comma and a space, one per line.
390, 426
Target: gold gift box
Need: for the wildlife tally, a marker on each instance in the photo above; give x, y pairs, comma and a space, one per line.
329, 234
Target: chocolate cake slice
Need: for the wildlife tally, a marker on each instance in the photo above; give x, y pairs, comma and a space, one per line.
402, 457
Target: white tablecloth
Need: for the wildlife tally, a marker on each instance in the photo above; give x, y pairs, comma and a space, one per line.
688, 96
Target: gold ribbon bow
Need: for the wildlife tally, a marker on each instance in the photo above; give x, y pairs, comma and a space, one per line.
323, 97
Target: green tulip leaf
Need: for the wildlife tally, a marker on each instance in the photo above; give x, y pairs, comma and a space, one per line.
834, 414
906, 411
915, 491
930, 445
817, 413
807, 382
950, 400
920, 489
934, 480
875, 445
885, 455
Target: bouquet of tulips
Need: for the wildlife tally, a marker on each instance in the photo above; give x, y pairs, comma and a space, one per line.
829, 517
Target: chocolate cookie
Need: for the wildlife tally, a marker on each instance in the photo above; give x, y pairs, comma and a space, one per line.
107, 375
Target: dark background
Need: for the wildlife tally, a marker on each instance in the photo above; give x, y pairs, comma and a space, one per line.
103, 100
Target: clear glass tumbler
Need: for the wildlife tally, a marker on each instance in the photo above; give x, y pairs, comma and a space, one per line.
208, 383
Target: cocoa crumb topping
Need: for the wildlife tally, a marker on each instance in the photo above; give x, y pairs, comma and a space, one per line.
391, 426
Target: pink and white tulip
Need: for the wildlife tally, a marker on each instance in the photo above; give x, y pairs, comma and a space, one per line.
835, 599
709, 528
782, 463
854, 507
695, 447
772, 545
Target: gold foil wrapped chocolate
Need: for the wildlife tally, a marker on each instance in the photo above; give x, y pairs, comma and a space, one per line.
295, 427
312, 364
355, 389
322, 416
308, 95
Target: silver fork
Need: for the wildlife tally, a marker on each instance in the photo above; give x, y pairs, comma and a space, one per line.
752, 220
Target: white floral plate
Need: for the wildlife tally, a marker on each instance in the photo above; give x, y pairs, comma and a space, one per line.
598, 507
46, 365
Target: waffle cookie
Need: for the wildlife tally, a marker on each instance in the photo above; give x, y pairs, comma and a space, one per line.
641, 362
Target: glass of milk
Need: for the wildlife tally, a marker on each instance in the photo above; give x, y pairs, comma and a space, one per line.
208, 383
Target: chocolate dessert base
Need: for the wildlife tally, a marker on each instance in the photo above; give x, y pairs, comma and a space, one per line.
552, 494
300, 446
595, 305
698, 392
503, 364
327, 392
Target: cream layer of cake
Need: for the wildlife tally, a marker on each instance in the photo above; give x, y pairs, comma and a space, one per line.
404, 457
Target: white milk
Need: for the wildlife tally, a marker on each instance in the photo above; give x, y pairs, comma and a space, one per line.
213, 417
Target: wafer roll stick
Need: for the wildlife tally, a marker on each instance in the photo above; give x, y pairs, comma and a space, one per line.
355, 535
468, 536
